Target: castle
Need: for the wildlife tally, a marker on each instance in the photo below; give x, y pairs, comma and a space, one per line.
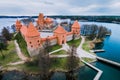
33, 37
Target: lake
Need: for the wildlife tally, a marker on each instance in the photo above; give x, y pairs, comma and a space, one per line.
112, 52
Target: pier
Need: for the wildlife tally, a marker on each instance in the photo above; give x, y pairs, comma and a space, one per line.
108, 61
97, 50
108, 34
95, 68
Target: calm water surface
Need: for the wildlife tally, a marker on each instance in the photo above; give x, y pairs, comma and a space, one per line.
112, 52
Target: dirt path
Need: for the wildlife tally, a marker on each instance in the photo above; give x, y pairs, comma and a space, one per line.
82, 53
19, 53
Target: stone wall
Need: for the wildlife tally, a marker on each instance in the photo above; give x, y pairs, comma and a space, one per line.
53, 41
69, 37
34, 52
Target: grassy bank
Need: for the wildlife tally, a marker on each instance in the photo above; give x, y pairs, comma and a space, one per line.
10, 54
22, 44
88, 45
57, 64
55, 47
61, 52
75, 42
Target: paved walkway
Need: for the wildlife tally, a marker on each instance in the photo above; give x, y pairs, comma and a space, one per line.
19, 53
82, 53
16, 63
64, 47
58, 56
56, 50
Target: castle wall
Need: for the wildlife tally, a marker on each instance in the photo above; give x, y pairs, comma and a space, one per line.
69, 37
33, 51
53, 42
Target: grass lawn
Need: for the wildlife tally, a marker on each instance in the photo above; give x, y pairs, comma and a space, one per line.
10, 54
60, 63
59, 52
88, 59
23, 67
56, 64
75, 42
86, 46
22, 44
55, 47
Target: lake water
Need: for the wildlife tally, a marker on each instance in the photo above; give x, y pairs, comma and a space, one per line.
112, 52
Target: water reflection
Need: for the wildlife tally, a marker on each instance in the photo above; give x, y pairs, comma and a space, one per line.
99, 45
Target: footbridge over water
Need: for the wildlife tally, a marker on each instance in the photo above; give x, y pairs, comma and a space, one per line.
108, 61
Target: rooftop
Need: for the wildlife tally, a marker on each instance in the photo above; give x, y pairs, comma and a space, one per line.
32, 31
76, 24
60, 29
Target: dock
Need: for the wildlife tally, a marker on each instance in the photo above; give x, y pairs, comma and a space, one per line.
97, 50
108, 61
108, 34
97, 77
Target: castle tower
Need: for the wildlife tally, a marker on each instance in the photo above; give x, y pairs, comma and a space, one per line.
48, 22
18, 25
76, 28
40, 21
32, 37
60, 33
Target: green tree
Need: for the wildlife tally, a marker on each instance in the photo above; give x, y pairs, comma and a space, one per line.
47, 45
6, 34
3, 46
101, 32
44, 64
72, 63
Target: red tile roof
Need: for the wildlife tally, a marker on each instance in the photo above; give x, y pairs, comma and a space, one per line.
76, 24
48, 20
18, 22
23, 30
60, 30
32, 31
40, 16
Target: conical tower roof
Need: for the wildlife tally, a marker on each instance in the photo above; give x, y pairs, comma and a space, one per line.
60, 29
40, 16
76, 24
18, 22
32, 31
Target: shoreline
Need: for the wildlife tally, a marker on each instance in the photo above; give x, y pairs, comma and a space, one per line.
56, 70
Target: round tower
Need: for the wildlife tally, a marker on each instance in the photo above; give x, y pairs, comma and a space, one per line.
60, 33
32, 37
76, 28
40, 21
18, 25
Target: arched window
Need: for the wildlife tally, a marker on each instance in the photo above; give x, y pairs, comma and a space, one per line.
31, 45
30, 42
38, 41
